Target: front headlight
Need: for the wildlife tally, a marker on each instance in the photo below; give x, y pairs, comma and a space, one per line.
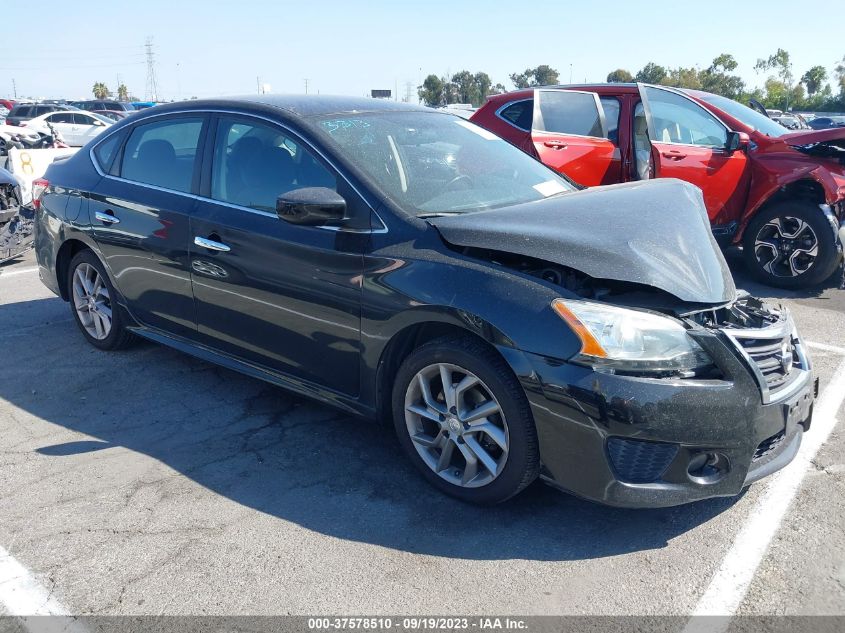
630, 340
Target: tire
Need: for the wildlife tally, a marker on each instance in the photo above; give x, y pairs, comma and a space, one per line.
789, 237
505, 434
91, 303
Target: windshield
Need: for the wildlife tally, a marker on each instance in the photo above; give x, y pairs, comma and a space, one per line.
432, 164
751, 118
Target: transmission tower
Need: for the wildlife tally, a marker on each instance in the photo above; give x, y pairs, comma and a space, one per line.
152, 88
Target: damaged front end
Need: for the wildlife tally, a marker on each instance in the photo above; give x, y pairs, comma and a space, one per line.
17, 222
683, 388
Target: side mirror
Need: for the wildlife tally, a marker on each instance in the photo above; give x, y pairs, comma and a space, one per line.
736, 141
311, 206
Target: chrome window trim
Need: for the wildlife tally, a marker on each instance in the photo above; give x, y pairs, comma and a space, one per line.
203, 112
498, 112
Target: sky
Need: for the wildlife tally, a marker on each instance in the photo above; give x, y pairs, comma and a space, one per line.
214, 48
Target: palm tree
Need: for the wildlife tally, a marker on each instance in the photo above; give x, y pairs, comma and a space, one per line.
123, 92
101, 91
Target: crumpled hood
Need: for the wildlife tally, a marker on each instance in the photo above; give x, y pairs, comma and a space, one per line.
806, 137
654, 233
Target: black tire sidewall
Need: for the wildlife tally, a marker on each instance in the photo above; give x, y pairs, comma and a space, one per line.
826, 261
522, 465
117, 334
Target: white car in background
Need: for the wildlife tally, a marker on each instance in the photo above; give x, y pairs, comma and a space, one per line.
75, 126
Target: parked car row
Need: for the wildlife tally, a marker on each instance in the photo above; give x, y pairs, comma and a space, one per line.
407, 264
776, 192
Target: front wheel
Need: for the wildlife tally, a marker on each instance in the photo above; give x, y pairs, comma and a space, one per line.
790, 245
464, 421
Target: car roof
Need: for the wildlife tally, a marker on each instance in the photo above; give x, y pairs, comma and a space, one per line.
296, 105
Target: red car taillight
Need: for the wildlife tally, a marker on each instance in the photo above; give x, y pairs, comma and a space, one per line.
39, 186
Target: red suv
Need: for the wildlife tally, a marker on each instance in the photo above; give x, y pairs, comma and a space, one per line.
778, 193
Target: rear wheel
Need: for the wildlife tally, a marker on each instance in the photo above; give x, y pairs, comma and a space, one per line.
92, 303
463, 419
790, 245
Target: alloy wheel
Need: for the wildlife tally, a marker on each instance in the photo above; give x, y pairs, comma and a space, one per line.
92, 302
786, 246
456, 425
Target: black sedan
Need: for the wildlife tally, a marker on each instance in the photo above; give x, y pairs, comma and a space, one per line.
404, 264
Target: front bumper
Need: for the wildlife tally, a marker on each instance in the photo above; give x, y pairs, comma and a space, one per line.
644, 442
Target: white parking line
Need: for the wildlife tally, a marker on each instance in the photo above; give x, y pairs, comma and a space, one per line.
728, 587
18, 271
21, 594
825, 347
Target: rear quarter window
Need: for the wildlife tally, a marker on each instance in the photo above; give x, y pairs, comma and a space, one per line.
519, 114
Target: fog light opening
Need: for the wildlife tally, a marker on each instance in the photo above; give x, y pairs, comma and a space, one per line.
708, 468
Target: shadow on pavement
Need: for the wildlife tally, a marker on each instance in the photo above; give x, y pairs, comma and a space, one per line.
287, 457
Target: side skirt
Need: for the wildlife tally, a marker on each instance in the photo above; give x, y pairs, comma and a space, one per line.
300, 387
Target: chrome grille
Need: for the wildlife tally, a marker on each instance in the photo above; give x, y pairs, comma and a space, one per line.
774, 354
775, 358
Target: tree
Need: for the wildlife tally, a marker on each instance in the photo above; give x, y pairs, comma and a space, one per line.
651, 73
839, 71
123, 92
813, 79
723, 63
100, 90
484, 84
620, 75
543, 75
432, 92
681, 77
466, 89
716, 77
780, 63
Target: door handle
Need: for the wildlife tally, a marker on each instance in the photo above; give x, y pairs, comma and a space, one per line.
106, 217
674, 155
211, 245
555, 144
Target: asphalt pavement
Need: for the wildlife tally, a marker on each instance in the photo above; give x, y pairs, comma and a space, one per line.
149, 482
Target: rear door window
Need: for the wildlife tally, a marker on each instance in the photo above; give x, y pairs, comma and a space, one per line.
83, 119
163, 153
569, 112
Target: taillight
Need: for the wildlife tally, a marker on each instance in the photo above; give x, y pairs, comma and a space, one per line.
39, 186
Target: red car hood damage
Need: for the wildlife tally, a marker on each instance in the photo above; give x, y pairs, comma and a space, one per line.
808, 137
819, 143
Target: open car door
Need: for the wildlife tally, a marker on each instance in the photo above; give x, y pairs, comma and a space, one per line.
569, 134
689, 143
